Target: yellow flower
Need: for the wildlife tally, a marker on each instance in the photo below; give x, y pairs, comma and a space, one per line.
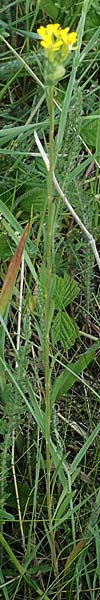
47, 43
49, 35
68, 38
53, 28
57, 43
54, 38
48, 31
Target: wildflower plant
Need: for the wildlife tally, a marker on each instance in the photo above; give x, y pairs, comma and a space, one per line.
57, 43
28, 393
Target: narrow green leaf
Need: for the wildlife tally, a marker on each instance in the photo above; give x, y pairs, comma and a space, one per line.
80, 455
63, 502
70, 374
10, 133
3, 585
11, 554
38, 413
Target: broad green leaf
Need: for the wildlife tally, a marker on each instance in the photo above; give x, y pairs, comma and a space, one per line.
64, 330
89, 130
66, 290
50, 8
70, 374
36, 200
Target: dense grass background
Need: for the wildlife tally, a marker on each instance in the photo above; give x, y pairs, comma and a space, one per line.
26, 569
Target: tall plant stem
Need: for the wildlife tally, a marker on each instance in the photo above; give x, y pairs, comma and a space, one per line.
47, 324
47, 304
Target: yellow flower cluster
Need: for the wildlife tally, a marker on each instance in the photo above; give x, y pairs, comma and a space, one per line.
56, 40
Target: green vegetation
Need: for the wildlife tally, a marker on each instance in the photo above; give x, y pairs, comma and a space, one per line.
49, 306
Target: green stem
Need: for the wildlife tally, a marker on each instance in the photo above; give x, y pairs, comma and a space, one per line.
47, 305
47, 322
